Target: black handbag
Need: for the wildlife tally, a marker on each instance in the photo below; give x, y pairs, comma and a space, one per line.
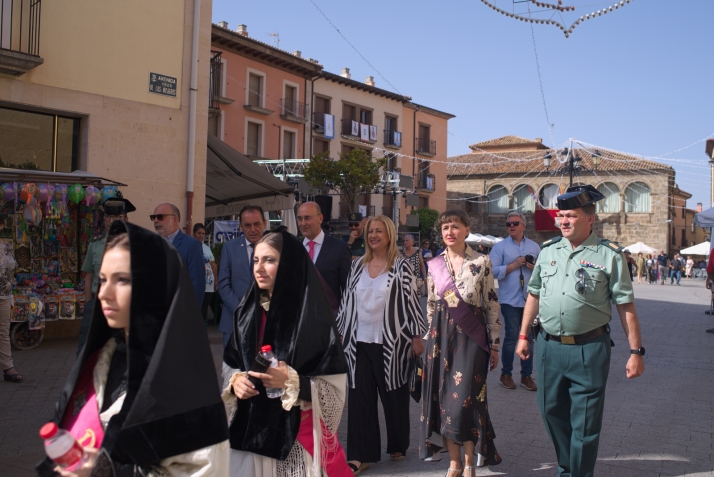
416, 370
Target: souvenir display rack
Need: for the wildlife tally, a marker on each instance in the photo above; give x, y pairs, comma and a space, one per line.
45, 226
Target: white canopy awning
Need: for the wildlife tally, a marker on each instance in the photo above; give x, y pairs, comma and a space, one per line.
640, 247
485, 240
699, 249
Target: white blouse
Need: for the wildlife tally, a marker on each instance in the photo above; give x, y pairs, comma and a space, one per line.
371, 302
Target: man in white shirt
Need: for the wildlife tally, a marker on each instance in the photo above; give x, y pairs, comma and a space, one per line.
332, 257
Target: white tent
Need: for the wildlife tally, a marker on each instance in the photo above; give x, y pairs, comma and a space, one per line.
699, 249
640, 247
478, 239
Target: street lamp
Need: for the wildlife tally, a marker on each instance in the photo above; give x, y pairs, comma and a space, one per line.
596, 158
572, 164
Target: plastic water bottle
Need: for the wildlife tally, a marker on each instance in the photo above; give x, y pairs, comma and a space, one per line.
267, 353
62, 447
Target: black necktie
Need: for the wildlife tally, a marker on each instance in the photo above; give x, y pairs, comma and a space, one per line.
250, 263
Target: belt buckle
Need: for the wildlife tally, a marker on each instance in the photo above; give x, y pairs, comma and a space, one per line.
568, 340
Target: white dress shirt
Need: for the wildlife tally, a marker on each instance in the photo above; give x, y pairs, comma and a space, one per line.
371, 301
318, 244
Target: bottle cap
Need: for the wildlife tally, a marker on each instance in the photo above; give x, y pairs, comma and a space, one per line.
266, 349
48, 430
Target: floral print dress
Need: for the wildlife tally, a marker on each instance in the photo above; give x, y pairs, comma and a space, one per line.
454, 402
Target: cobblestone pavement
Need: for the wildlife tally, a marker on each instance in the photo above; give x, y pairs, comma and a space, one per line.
661, 424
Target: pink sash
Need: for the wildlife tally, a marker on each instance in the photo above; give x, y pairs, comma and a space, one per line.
458, 309
335, 464
81, 417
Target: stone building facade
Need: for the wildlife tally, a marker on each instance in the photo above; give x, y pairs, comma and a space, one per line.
509, 173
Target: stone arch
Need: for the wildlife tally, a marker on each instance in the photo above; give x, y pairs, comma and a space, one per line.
497, 199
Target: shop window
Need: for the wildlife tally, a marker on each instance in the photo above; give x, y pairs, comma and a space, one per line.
47, 142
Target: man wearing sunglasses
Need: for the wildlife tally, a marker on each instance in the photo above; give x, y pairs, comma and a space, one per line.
576, 278
166, 218
513, 260
356, 237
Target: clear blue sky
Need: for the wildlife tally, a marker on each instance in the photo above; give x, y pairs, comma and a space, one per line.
638, 80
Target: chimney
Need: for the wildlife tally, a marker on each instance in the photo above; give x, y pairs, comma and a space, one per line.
699, 206
297, 53
369, 81
223, 24
346, 73
539, 139
242, 30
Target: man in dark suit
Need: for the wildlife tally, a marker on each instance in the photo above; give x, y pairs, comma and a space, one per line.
166, 218
331, 256
236, 269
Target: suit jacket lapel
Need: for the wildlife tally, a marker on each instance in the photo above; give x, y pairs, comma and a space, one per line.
177, 239
323, 251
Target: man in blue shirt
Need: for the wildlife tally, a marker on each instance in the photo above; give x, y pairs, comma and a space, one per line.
513, 260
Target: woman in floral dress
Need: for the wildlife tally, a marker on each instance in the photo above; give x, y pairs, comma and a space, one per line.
454, 401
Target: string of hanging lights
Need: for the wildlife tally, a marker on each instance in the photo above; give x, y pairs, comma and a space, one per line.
567, 31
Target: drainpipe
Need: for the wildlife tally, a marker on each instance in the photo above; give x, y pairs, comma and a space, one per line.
414, 138
192, 114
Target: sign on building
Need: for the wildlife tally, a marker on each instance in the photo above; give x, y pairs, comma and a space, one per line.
225, 230
162, 84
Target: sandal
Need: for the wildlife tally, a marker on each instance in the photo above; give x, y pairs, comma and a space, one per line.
357, 470
14, 377
453, 470
396, 456
469, 471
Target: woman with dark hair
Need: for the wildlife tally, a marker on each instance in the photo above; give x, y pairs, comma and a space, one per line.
414, 257
209, 262
286, 307
143, 394
381, 324
462, 347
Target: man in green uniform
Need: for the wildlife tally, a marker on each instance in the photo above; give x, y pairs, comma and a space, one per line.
573, 282
114, 208
356, 237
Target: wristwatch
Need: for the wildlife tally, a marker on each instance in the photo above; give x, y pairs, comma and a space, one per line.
640, 351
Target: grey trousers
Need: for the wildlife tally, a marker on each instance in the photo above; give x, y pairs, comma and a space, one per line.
5, 314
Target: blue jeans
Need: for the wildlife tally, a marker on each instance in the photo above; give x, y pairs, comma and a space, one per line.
673, 274
512, 318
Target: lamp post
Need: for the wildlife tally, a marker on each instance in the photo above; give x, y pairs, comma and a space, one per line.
571, 164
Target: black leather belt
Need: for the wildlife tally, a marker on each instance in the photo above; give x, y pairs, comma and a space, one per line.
577, 339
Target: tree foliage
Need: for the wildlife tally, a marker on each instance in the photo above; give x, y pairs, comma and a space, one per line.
354, 173
427, 219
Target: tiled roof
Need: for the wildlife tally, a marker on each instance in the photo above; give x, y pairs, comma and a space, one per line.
524, 162
507, 141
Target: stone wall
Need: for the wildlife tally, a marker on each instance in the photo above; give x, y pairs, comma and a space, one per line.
624, 228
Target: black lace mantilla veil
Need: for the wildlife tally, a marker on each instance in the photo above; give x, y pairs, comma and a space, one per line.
301, 328
173, 403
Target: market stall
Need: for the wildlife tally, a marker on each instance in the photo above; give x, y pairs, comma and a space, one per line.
46, 222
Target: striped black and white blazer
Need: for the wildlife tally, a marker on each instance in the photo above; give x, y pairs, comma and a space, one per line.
403, 319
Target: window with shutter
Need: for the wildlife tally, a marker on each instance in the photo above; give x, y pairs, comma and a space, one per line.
253, 139
288, 145
255, 90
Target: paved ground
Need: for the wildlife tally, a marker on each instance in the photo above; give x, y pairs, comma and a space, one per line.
661, 424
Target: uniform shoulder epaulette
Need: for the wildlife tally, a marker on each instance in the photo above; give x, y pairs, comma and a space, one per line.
612, 245
551, 241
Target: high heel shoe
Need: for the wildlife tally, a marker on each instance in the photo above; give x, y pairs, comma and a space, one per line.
469, 471
448, 472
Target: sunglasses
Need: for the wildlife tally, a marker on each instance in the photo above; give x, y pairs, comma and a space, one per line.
160, 217
513, 224
580, 284
354, 225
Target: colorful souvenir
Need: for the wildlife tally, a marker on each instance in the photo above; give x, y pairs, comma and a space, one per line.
28, 191
75, 193
91, 195
108, 192
21, 310
51, 308
68, 306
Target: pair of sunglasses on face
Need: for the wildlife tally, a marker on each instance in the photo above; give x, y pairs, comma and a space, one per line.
513, 224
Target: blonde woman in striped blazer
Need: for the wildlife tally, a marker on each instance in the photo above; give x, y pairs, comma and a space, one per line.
381, 324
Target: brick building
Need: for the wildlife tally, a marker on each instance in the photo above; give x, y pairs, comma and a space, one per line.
642, 204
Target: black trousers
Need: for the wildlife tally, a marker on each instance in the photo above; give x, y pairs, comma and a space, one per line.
363, 439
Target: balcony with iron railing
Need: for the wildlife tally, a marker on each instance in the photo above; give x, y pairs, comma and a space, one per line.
390, 138
347, 128
427, 181
425, 146
19, 36
293, 110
